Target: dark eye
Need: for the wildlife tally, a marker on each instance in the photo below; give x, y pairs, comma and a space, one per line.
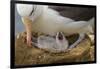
60, 36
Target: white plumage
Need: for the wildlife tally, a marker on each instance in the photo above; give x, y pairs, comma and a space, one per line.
53, 44
48, 21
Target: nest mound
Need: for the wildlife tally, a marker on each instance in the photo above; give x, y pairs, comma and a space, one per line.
25, 55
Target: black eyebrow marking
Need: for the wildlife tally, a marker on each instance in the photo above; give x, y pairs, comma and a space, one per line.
31, 12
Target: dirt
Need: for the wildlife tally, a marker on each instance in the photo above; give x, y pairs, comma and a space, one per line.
25, 55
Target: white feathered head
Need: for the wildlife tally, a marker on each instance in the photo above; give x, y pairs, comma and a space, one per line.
29, 10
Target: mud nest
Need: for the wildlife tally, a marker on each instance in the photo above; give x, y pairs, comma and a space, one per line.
25, 55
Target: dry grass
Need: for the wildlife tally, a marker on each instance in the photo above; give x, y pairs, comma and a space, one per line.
26, 56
